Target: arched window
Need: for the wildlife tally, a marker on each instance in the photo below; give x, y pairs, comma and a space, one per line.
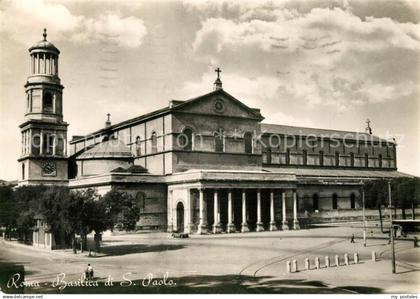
248, 142
305, 157
315, 202
366, 160
138, 146
154, 142
352, 159
23, 171
268, 156
352, 201
337, 159
380, 161
334, 201
47, 102
321, 158
218, 141
185, 139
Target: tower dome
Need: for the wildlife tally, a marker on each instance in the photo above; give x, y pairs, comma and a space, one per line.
44, 45
44, 62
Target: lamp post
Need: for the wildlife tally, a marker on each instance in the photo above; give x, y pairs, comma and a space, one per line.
364, 218
391, 229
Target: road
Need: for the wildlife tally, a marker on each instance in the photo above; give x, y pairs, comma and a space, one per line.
237, 263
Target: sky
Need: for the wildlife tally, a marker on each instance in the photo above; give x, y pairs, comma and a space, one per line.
324, 64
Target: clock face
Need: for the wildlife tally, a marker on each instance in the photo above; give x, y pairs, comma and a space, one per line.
49, 168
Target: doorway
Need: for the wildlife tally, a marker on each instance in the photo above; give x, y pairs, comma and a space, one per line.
180, 217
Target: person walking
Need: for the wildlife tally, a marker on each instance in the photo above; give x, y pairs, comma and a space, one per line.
89, 272
352, 239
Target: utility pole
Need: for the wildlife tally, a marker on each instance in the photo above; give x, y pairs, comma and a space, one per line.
364, 218
391, 229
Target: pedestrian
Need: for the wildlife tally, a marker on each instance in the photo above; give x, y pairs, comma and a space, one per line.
89, 272
416, 242
74, 245
352, 238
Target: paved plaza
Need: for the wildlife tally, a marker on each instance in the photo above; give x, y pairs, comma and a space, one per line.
225, 263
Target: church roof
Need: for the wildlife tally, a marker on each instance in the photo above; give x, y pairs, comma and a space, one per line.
112, 148
173, 106
326, 133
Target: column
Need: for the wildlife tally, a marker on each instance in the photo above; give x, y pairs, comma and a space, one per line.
56, 66
37, 63
41, 143
244, 227
170, 212
54, 143
216, 225
189, 210
202, 226
260, 226
230, 225
295, 219
272, 220
284, 225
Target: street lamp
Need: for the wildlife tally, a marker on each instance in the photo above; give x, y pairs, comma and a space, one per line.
364, 218
391, 229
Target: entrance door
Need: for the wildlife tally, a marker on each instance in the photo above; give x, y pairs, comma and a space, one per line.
180, 217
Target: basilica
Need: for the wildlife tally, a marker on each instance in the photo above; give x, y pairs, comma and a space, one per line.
209, 164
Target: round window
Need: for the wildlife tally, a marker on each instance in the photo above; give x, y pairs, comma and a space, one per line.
219, 106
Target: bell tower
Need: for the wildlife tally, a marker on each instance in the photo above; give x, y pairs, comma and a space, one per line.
43, 158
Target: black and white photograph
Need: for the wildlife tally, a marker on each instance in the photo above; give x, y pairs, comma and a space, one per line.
209, 147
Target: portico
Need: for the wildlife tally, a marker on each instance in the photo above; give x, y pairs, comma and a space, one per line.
255, 201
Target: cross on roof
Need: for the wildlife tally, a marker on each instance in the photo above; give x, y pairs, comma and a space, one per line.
368, 128
218, 71
45, 34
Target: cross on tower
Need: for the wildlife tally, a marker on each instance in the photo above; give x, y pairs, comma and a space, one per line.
218, 71
45, 34
108, 116
368, 128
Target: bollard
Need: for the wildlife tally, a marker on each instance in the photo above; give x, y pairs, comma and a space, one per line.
327, 261
307, 265
373, 256
289, 268
317, 266
295, 266
337, 260
346, 259
356, 258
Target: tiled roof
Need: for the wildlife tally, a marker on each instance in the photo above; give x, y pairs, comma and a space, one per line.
303, 131
112, 148
351, 173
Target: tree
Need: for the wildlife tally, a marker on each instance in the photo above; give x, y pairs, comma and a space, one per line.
81, 211
27, 200
406, 192
8, 211
376, 196
122, 208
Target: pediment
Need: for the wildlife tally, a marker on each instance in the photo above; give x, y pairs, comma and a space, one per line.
220, 103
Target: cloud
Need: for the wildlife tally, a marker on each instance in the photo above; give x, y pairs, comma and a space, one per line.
325, 56
20, 17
